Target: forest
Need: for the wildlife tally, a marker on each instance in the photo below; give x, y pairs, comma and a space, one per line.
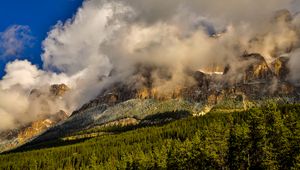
267, 137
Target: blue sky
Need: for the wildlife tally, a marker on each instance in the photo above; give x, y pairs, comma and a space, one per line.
38, 16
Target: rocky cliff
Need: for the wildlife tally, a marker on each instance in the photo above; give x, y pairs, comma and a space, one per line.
254, 79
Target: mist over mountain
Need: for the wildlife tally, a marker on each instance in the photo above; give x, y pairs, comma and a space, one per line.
157, 46
128, 84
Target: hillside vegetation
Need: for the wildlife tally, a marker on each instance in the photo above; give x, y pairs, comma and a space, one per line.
259, 138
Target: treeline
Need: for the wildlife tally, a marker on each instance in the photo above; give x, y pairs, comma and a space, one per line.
260, 138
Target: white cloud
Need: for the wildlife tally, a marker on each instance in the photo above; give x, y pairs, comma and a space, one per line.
14, 40
21, 73
74, 46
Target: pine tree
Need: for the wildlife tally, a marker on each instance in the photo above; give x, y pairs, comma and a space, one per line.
238, 147
258, 151
93, 161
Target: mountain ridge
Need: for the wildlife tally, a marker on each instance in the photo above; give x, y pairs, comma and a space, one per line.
254, 83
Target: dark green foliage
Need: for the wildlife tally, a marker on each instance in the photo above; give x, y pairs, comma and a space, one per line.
174, 115
260, 138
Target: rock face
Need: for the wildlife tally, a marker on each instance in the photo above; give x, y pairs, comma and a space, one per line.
255, 79
280, 68
15, 137
34, 128
257, 70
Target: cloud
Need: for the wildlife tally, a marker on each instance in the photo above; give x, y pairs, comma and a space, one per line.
21, 73
19, 105
222, 11
118, 35
74, 46
7, 121
14, 40
13, 105
294, 65
108, 41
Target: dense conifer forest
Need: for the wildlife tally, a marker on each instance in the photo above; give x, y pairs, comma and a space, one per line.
259, 138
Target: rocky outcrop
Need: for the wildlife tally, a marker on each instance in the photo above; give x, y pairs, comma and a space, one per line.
23, 133
257, 70
58, 89
280, 68
35, 128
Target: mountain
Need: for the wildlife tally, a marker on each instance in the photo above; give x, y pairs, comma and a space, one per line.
15, 137
239, 117
237, 88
